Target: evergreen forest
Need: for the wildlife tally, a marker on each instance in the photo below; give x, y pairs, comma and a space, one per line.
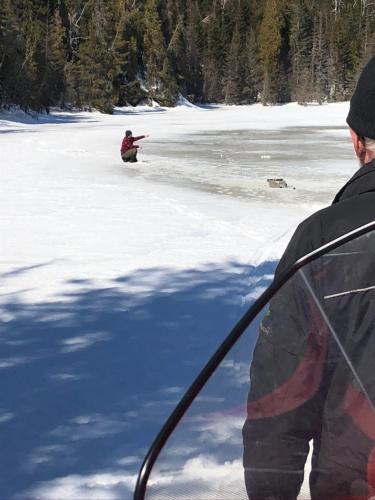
97, 54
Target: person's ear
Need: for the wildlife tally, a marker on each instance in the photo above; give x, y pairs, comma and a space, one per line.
359, 145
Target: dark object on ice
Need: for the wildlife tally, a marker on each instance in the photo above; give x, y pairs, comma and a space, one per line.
128, 148
277, 183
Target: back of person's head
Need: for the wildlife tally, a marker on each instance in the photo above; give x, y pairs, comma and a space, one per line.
361, 117
128, 133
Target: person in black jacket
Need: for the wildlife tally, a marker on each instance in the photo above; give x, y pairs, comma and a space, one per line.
302, 389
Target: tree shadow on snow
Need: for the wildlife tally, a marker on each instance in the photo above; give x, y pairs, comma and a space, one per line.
15, 131
87, 380
135, 111
55, 117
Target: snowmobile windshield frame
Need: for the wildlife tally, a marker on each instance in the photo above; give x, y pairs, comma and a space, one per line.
210, 367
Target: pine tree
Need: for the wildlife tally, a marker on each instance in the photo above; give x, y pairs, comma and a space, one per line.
30, 24
176, 52
348, 46
301, 47
75, 13
100, 58
130, 90
8, 51
214, 56
233, 71
53, 87
194, 36
251, 78
97, 53
169, 88
368, 32
320, 58
269, 49
154, 46
159, 77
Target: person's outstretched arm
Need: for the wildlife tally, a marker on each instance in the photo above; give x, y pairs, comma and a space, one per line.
139, 137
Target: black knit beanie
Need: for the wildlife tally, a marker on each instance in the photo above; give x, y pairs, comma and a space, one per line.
361, 117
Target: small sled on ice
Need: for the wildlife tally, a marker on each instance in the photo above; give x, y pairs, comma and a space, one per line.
277, 183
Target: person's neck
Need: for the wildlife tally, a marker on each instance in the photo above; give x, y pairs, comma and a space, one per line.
368, 158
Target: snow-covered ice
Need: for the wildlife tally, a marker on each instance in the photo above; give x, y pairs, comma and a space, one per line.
118, 281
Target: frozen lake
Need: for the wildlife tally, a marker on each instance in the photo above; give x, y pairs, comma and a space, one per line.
117, 282
313, 161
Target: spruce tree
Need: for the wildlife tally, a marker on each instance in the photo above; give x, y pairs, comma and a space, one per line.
159, 78
194, 38
320, 58
176, 52
348, 46
97, 53
214, 57
53, 87
154, 46
251, 76
233, 71
100, 59
301, 49
269, 50
130, 88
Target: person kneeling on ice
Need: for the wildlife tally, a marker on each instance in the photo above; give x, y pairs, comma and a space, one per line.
129, 150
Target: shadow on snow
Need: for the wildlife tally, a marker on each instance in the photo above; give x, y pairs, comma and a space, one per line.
55, 117
135, 111
87, 380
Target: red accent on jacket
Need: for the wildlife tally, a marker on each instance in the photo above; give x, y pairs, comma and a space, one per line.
304, 382
128, 143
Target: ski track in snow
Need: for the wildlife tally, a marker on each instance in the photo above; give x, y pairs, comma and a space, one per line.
118, 282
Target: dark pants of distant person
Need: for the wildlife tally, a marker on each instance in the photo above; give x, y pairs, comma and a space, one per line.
130, 155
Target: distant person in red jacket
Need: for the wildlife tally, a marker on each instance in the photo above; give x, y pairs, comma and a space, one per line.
128, 148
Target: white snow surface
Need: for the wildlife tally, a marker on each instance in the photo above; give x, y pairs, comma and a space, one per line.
69, 208
71, 212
